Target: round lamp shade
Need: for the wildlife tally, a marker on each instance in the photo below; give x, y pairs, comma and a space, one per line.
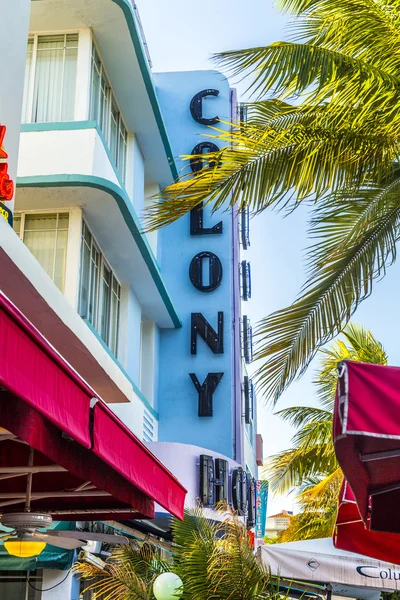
168, 586
24, 548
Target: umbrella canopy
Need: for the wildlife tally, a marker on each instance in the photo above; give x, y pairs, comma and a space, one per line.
366, 434
351, 534
351, 575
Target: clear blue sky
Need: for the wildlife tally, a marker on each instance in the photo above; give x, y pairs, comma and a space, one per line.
181, 36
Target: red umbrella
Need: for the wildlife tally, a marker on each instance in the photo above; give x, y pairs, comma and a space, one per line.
350, 533
366, 433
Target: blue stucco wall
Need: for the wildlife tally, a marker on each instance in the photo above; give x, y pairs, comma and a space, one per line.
178, 399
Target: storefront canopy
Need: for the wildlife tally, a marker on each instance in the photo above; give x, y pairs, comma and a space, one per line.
366, 435
86, 463
350, 575
351, 534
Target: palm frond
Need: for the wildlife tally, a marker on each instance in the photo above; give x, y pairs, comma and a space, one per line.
300, 154
357, 241
318, 506
288, 469
118, 580
316, 73
298, 416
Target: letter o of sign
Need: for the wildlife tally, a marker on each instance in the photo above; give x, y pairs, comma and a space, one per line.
196, 271
197, 164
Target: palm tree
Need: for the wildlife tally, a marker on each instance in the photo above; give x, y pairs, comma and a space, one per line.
214, 560
311, 465
328, 137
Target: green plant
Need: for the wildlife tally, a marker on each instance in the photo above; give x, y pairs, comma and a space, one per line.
215, 560
310, 465
329, 137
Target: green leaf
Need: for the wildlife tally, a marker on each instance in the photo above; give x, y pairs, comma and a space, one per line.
356, 242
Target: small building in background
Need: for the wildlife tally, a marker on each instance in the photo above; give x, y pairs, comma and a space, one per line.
278, 523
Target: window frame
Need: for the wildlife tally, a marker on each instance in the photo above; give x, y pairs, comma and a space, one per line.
96, 321
34, 36
94, 112
22, 214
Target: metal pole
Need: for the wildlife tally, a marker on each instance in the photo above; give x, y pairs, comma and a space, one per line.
29, 481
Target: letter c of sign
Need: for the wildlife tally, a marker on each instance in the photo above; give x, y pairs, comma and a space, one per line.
361, 569
196, 107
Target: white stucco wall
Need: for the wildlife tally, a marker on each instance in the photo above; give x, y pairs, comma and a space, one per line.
147, 360
54, 152
138, 178
13, 40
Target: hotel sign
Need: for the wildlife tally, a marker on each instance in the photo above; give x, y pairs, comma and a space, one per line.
214, 338
261, 508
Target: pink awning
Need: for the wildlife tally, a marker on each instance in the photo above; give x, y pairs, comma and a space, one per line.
366, 435
46, 404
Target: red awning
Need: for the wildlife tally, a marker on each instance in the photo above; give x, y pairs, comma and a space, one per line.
351, 534
97, 465
366, 434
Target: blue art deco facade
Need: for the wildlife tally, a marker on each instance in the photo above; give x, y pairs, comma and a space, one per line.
207, 407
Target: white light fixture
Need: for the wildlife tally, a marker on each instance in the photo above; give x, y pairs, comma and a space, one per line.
168, 586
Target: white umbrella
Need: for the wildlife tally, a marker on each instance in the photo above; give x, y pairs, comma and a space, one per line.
352, 575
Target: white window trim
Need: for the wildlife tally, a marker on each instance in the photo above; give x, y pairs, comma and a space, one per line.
103, 261
71, 287
31, 83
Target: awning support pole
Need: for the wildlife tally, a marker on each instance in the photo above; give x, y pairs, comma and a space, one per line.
29, 481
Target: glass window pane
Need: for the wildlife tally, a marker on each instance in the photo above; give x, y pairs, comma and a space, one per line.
69, 78
114, 316
100, 292
17, 225
42, 245
106, 302
106, 112
46, 236
40, 222
55, 78
94, 285
95, 87
122, 148
61, 259
85, 273
105, 107
114, 131
28, 71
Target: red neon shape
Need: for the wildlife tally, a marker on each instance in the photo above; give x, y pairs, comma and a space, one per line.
6, 184
3, 153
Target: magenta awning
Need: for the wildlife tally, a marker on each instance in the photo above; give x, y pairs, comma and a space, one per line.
366, 434
97, 465
351, 534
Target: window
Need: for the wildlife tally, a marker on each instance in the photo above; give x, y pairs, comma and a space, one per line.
46, 236
14, 585
99, 292
104, 109
50, 78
